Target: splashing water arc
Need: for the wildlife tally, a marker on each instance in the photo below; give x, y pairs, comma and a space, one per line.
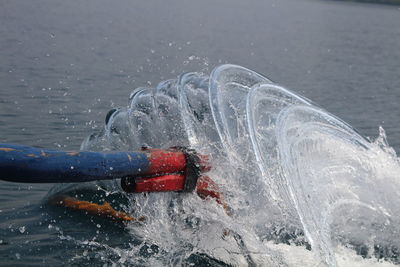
291, 172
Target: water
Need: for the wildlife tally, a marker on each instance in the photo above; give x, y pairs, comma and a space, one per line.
64, 65
290, 172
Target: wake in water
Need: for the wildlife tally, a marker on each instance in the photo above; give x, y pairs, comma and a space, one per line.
304, 187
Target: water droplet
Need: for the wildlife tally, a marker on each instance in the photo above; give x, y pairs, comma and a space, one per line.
18, 256
98, 226
72, 167
22, 229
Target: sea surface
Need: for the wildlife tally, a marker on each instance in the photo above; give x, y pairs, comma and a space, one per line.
65, 64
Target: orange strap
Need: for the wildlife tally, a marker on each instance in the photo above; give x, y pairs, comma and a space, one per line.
105, 210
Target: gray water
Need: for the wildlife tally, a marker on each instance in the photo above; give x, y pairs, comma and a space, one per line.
65, 64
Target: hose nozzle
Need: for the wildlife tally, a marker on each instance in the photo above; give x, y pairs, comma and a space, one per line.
176, 169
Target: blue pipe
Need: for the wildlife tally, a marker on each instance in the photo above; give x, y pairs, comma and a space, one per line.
32, 165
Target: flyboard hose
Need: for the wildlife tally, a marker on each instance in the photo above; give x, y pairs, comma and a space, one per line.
149, 170
25, 164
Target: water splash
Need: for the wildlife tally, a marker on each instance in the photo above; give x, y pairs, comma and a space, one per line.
292, 173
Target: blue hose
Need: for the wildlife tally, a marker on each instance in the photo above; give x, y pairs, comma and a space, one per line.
32, 165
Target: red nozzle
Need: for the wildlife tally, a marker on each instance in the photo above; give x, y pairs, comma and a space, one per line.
176, 169
169, 182
174, 160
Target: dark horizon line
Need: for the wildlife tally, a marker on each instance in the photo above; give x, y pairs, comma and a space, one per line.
383, 2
